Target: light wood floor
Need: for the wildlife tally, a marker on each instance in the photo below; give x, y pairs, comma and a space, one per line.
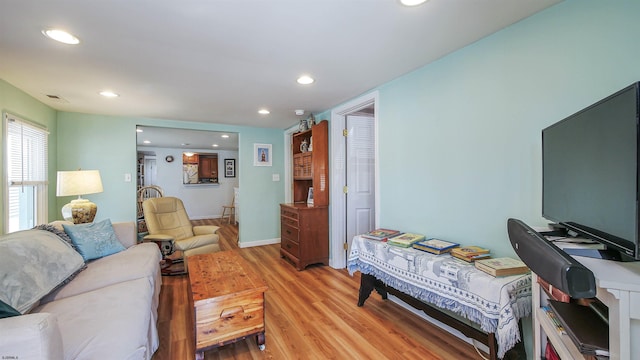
310, 314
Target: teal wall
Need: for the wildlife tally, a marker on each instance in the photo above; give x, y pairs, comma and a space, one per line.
108, 144
17, 102
460, 139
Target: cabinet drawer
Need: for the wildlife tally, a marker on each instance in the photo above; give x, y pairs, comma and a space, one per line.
220, 320
290, 246
286, 221
289, 232
291, 214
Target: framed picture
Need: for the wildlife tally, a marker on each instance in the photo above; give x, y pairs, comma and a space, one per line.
310, 196
229, 167
261, 154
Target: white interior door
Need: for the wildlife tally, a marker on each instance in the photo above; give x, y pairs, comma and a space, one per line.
360, 175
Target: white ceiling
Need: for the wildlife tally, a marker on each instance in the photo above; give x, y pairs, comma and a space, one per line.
220, 61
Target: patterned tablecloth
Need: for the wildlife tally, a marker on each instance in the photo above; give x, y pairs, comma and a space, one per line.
495, 303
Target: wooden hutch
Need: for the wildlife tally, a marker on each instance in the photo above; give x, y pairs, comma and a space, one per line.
305, 227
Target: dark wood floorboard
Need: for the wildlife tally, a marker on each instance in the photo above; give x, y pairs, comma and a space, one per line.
310, 314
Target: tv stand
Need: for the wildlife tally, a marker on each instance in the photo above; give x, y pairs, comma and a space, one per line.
604, 254
618, 287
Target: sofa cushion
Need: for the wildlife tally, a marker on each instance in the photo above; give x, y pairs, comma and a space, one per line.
109, 323
31, 336
32, 263
94, 240
138, 261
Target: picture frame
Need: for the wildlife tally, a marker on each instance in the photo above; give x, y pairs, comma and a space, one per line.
310, 196
229, 168
262, 155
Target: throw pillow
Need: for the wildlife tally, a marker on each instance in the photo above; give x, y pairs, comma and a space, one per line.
7, 311
32, 263
94, 240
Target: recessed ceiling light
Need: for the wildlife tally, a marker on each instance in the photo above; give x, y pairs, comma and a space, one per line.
225, 136
139, 130
412, 2
305, 80
264, 111
61, 36
215, 145
147, 142
108, 93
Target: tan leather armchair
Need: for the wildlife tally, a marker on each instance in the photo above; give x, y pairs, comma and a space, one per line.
167, 220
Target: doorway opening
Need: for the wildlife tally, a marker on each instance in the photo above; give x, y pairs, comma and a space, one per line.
354, 186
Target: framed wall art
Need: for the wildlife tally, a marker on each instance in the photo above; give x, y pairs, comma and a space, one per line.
229, 168
262, 154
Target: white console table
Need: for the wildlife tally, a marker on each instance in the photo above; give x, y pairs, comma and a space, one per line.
618, 287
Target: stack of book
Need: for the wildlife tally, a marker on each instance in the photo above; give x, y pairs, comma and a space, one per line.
381, 234
470, 253
554, 319
502, 266
405, 240
589, 332
435, 246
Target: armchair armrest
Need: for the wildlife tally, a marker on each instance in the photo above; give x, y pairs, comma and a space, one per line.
205, 229
31, 336
158, 237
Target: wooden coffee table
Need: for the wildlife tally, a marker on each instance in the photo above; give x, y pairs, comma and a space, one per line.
228, 300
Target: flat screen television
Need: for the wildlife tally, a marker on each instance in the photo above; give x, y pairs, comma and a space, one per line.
590, 173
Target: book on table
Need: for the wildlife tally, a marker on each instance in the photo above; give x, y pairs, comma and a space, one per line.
470, 253
469, 258
405, 240
434, 246
381, 234
504, 266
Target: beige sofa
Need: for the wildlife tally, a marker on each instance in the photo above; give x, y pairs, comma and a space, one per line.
107, 311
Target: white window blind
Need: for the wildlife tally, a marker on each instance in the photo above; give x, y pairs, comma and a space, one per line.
26, 149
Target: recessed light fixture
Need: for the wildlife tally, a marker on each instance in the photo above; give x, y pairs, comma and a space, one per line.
61, 36
264, 112
225, 136
108, 93
147, 142
214, 145
189, 154
139, 130
412, 2
305, 80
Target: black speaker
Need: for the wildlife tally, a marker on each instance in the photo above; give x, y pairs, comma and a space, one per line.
550, 262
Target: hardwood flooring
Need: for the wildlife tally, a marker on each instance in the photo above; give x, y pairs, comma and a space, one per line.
310, 314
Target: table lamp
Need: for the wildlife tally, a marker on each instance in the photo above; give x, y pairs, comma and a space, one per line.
79, 182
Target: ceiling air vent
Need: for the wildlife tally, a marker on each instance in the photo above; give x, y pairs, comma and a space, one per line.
57, 98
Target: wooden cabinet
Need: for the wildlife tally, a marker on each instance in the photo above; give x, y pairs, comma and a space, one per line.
189, 159
305, 234
208, 167
305, 228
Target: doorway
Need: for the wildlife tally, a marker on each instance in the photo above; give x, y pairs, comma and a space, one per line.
354, 186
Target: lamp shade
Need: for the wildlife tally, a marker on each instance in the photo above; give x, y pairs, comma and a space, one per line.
79, 182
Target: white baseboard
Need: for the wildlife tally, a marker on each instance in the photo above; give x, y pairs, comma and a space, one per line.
259, 243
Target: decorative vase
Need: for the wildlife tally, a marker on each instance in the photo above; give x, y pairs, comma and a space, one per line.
303, 125
311, 121
304, 147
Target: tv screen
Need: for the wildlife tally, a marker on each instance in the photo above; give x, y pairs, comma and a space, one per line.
590, 172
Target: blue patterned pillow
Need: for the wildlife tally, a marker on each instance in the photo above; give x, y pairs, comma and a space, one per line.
94, 240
